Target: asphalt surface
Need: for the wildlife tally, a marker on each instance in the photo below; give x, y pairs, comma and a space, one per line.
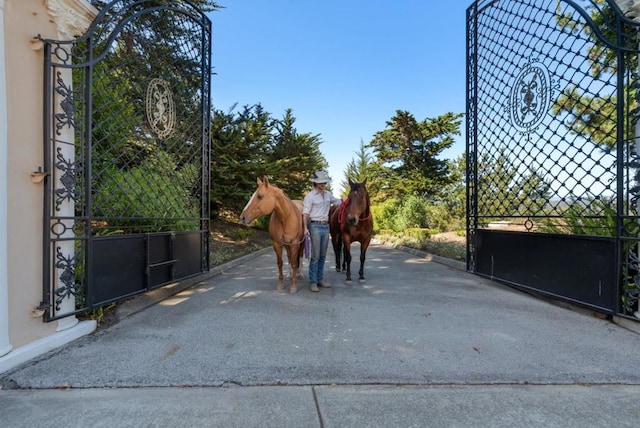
418, 344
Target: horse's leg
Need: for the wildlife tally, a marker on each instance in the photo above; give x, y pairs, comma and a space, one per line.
363, 255
347, 256
336, 240
278, 250
300, 262
292, 255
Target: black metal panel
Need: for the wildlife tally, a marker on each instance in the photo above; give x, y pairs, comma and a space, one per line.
118, 268
577, 268
161, 261
187, 252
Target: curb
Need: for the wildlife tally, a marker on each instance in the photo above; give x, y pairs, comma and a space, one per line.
456, 264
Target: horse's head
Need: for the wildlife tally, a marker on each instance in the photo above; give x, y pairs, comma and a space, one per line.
262, 202
358, 203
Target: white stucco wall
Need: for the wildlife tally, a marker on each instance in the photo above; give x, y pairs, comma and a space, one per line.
5, 344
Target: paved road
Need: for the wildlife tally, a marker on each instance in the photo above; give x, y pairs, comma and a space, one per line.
419, 344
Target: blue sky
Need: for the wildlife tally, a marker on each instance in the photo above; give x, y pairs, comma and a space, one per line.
343, 66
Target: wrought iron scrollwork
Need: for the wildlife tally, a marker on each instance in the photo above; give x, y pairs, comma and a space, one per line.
69, 191
66, 104
530, 96
68, 277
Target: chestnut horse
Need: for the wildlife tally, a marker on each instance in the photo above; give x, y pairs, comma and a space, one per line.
352, 222
285, 226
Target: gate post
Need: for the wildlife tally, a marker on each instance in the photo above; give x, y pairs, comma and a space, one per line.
73, 23
631, 9
66, 246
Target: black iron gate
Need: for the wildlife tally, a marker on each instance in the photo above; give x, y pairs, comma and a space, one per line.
552, 149
126, 155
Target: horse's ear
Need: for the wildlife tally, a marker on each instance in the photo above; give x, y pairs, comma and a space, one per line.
364, 182
259, 181
350, 182
266, 180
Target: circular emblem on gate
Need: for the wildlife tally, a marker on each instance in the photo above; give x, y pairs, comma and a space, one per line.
530, 97
161, 111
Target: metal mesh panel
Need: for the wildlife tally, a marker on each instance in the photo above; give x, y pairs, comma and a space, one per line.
127, 137
551, 122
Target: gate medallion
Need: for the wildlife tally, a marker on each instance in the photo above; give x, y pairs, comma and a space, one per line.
530, 97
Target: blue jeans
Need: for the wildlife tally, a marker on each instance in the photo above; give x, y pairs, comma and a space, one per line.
319, 243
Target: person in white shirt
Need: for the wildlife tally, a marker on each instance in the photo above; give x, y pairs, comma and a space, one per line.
315, 218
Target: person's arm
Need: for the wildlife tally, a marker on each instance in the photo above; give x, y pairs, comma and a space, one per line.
305, 222
306, 209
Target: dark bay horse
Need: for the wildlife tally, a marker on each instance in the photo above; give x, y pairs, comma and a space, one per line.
352, 222
285, 225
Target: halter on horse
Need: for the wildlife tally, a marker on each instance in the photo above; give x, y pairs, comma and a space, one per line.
285, 226
352, 222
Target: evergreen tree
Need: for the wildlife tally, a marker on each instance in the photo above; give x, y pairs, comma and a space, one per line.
292, 156
357, 170
407, 153
239, 148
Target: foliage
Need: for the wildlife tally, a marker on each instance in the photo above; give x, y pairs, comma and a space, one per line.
358, 170
384, 214
250, 143
153, 196
417, 233
412, 213
454, 195
239, 144
450, 250
292, 156
400, 214
593, 215
100, 314
593, 115
504, 191
204, 5
406, 155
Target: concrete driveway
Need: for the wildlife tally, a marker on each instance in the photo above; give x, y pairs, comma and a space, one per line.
419, 344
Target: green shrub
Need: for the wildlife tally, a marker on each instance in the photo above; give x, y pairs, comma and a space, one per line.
154, 196
412, 213
418, 233
440, 218
262, 222
242, 234
384, 215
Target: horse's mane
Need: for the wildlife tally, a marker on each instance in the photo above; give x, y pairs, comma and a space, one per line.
279, 191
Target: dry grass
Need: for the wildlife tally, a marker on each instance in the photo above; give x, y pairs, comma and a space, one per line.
230, 241
450, 245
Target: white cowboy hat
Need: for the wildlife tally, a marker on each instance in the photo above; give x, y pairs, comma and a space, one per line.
320, 177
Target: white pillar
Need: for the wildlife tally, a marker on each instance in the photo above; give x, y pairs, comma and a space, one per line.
5, 346
72, 18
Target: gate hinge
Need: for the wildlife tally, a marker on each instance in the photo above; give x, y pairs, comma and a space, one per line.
40, 310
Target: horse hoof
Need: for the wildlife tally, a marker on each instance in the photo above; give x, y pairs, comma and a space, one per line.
337, 269
362, 280
293, 290
348, 281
